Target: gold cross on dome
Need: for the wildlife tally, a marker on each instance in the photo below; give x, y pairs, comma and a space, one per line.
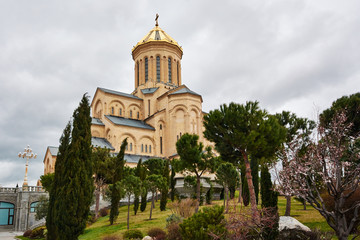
156, 19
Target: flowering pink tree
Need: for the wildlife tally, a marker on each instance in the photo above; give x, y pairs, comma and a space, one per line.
330, 164
301, 130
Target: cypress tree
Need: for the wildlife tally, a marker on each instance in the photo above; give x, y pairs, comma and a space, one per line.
115, 189
172, 184
144, 193
77, 187
269, 200
58, 177
137, 174
165, 190
254, 165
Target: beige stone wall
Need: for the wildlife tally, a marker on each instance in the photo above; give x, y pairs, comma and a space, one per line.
49, 162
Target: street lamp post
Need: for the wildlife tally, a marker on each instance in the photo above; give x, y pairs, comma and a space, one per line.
28, 153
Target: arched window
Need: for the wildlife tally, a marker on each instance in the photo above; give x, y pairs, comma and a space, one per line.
160, 126
137, 74
130, 146
138, 115
120, 111
33, 206
130, 113
149, 148
169, 68
158, 68
145, 148
146, 69
112, 110
161, 146
6, 213
142, 147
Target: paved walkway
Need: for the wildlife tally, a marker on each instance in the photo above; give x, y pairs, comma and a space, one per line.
9, 235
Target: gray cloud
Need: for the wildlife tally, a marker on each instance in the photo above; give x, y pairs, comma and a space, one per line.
287, 54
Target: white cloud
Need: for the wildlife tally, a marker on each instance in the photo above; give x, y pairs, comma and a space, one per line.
288, 54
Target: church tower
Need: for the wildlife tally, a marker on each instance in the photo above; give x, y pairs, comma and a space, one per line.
157, 58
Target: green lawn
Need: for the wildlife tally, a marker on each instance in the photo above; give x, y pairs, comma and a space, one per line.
309, 217
101, 227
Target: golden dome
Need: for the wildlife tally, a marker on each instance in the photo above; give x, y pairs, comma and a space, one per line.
157, 34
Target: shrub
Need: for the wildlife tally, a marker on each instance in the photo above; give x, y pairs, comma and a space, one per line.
111, 237
133, 234
91, 218
208, 221
173, 218
38, 233
103, 212
173, 232
184, 208
27, 233
157, 233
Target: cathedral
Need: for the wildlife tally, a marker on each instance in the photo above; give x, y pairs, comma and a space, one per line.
155, 115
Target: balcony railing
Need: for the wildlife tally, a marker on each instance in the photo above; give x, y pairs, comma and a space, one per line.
21, 189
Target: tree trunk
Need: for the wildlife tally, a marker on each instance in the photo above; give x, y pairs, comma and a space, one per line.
254, 210
304, 204
240, 190
288, 205
197, 192
152, 203
224, 196
128, 216
227, 199
97, 201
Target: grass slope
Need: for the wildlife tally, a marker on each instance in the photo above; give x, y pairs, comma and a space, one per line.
101, 228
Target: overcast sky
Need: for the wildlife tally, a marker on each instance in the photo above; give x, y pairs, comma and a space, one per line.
289, 55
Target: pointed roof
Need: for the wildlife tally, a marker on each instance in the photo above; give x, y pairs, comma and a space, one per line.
157, 34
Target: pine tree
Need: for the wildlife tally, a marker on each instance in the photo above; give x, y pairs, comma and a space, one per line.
116, 187
269, 200
77, 187
58, 177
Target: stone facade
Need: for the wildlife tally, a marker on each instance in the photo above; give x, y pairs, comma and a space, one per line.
23, 217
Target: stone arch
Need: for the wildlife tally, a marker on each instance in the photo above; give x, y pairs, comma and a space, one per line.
134, 108
98, 110
113, 104
108, 134
143, 145
131, 141
95, 133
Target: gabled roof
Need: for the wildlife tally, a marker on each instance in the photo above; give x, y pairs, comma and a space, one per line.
133, 158
53, 150
119, 93
97, 121
95, 142
184, 90
149, 90
101, 142
129, 122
